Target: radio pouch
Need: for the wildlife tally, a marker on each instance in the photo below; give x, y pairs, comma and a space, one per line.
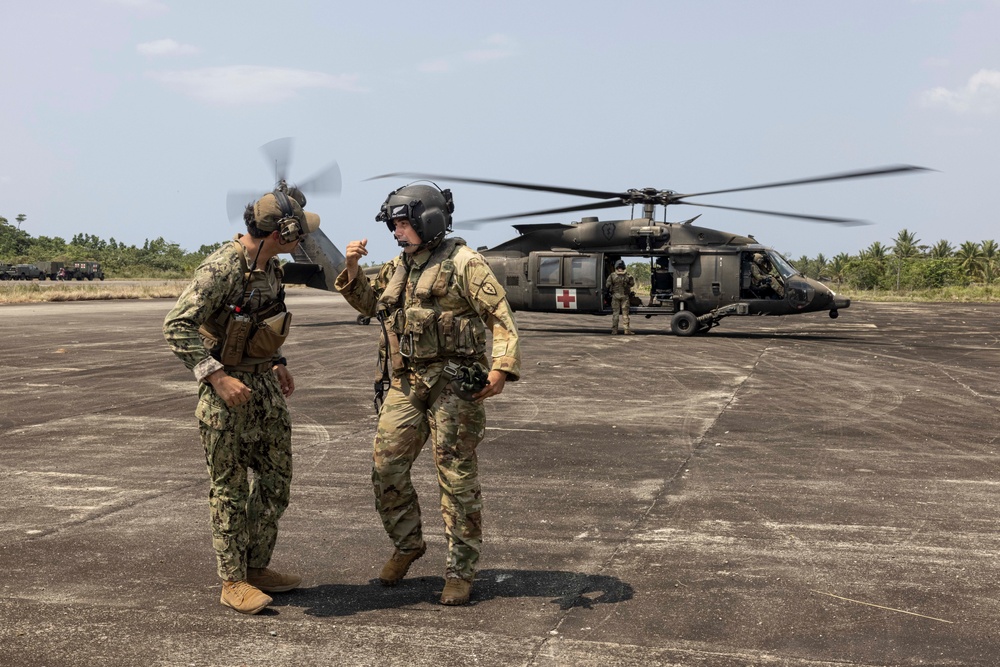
270, 335
234, 343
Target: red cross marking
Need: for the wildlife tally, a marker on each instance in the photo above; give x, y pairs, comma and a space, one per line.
567, 299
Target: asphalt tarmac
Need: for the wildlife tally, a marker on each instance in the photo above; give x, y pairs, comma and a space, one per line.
780, 491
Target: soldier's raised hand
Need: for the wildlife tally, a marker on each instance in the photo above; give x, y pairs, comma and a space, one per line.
355, 251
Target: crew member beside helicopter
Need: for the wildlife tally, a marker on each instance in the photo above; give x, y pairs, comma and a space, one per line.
619, 286
228, 327
434, 301
764, 276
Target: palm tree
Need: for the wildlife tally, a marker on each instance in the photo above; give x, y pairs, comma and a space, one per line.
905, 245
970, 258
988, 269
837, 268
876, 251
942, 250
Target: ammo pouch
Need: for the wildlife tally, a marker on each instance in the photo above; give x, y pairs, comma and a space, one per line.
269, 336
235, 340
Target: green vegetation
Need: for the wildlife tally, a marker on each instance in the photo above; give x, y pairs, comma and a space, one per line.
155, 259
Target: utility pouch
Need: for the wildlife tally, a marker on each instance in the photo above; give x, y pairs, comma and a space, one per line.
270, 335
419, 341
235, 340
466, 381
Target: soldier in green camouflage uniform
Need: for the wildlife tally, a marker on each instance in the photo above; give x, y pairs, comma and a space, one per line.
619, 285
227, 327
436, 299
764, 277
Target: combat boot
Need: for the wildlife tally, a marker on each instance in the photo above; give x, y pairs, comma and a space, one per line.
629, 332
456, 591
614, 332
243, 597
270, 581
398, 565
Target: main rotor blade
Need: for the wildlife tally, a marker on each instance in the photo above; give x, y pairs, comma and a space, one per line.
594, 194
566, 209
326, 181
864, 173
279, 156
846, 222
236, 203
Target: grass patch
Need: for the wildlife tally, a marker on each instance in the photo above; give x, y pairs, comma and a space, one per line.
971, 294
36, 293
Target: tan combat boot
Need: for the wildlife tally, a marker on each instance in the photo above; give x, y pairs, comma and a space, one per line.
456, 591
398, 564
243, 597
270, 581
629, 332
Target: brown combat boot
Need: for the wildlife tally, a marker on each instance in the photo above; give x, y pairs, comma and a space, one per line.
243, 597
629, 332
398, 565
456, 591
270, 581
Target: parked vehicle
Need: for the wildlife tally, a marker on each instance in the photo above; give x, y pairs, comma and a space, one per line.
81, 270
50, 269
26, 272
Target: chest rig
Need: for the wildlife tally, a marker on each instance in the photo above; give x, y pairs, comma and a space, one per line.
425, 321
254, 322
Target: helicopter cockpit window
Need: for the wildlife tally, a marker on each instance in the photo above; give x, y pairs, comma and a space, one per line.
781, 264
582, 271
548, 270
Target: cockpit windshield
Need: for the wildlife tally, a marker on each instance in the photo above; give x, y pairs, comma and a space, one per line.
781, 264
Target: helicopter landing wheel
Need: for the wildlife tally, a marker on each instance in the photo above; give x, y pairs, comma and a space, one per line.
362, 320
684, 323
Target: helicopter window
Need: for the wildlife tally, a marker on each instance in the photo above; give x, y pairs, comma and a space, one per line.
781, 264
582, 270
548, 270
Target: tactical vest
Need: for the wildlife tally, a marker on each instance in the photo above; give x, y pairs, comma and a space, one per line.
420, 329
254, 323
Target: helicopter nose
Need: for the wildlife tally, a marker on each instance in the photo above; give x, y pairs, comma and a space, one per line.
840, 302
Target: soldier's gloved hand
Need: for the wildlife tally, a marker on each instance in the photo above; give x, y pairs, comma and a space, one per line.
229, 389
496, 379
284, 379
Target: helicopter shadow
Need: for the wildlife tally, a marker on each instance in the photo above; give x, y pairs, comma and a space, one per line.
568, 590
729, 335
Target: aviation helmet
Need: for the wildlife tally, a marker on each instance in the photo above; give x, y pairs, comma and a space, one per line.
620, 265
427, 207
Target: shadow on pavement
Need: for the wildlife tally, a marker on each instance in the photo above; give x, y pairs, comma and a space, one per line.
567, 590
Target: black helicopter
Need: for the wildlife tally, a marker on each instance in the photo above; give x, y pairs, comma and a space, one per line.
698, 275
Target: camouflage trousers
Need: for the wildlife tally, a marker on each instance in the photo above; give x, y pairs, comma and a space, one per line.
619, 304
246, 508
455, 427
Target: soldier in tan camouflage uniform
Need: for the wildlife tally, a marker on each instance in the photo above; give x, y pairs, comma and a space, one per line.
227, 327
436, 300
619, 285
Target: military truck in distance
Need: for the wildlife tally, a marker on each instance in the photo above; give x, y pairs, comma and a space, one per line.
25, 272
50, 269
81, 270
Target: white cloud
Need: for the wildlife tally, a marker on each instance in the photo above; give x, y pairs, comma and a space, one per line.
495, 47
166, 47
248, 84
981, 94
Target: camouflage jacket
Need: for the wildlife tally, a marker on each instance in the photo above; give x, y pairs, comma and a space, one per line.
470, 291
216, 286
619, 284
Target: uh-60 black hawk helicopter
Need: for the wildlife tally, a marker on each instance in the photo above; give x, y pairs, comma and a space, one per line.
698, 275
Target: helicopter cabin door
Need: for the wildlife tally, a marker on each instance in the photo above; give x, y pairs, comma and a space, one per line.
566, 281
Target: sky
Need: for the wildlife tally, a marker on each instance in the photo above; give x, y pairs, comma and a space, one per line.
132, 119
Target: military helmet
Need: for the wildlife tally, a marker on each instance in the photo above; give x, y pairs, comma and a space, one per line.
620, 264
427, 208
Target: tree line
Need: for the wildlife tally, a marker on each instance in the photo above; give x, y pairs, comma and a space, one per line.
904, 265
158, 258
